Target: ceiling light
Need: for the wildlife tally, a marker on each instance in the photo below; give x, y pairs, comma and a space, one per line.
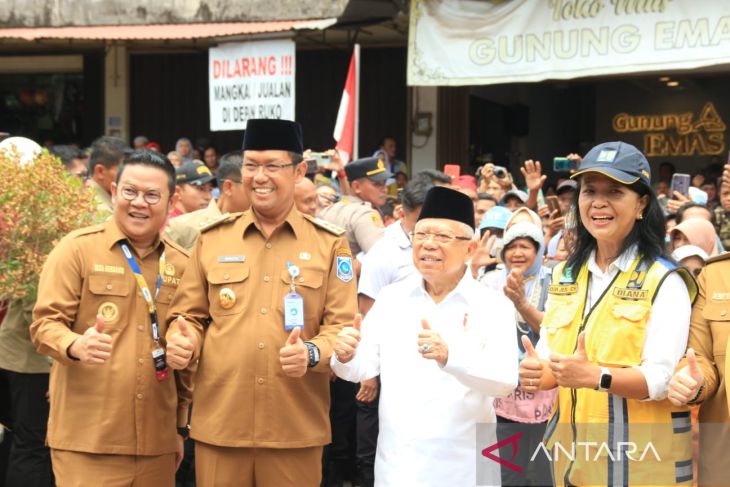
672, 84
664, 79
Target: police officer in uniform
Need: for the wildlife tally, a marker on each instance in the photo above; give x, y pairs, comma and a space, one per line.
100, 314
357, 213
265, 295
184, 229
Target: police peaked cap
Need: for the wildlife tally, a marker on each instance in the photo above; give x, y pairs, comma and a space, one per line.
272, 134
368, 167
442, 202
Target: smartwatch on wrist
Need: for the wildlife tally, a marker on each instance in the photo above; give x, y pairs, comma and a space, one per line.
313, 354
604, 382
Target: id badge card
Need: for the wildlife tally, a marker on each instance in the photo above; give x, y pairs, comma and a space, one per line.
158, 359
293, 311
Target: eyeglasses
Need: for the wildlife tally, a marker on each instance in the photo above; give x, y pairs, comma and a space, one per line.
251, 168
439, 237
150, 197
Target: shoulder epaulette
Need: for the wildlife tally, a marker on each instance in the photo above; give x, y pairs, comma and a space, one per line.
719, 258
171, 243
325, 225
86, 231
226, 218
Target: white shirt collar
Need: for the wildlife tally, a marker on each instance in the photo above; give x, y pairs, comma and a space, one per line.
463, 289
623, 263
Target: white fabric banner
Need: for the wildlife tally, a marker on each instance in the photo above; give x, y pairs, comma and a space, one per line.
480, 42
250, 80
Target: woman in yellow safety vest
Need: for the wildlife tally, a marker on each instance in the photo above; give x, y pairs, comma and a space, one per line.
615, 327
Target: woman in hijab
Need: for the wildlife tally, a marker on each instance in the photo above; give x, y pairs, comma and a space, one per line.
697, 232
184, 148
524, 280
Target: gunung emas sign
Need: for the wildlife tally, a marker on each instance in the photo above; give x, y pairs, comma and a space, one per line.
477, 42
250, 80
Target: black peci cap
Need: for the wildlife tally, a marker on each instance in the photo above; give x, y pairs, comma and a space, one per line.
272, 134
449, 204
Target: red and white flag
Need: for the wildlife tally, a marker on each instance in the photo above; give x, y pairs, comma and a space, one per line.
347, 117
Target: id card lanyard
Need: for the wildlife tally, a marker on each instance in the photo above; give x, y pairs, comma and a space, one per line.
293, 302
158, 353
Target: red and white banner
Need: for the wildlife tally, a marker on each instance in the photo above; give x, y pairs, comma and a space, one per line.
347, 117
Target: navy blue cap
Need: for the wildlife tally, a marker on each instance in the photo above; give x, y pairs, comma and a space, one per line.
369, 167
619, 161
449, 204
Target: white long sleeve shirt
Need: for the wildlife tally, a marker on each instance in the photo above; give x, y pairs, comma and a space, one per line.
428, 414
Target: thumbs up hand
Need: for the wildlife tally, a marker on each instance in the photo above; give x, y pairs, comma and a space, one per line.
686, 383
294, 356
431, 345
530, 367
347, 340
94, 346
575, 371
181, 345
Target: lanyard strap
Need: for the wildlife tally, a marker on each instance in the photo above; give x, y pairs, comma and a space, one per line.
143, 286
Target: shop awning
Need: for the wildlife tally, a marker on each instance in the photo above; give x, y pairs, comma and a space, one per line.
163, 31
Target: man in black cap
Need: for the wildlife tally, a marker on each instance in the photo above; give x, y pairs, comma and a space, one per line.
184, 230
444, 347
265, 294
194, 188
357, 213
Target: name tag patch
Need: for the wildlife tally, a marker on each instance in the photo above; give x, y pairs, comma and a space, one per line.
231, 258
631, 293
113, 269
563, 288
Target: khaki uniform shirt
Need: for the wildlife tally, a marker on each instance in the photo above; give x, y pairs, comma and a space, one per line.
118, 407
361, 221
17, 352
708, 336
233, 294
184, 229
104, 206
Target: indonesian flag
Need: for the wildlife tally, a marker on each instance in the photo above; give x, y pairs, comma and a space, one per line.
347, 116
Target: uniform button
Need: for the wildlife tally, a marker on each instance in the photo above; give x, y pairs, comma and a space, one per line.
723, 313
301, 279
140, 327
109, 287
139, 396
268, 245
169, 295
226, 276
261, 380
264, 311
261, 345
267, 279
141, 360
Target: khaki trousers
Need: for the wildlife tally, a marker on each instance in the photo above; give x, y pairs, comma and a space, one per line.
219, 466
79, 469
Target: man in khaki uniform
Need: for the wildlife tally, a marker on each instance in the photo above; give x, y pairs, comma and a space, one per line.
184, 229
262, 384
113, 411
702, 375
106, 154
355, 213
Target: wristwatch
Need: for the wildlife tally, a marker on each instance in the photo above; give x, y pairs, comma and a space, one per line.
604, 383
313, 354
184, 431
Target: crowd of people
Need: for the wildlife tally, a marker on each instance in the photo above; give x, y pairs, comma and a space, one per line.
273, 316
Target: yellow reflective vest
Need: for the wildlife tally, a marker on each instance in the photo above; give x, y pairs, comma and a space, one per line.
599, 438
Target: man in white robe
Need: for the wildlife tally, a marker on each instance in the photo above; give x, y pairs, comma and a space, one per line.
444, 348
